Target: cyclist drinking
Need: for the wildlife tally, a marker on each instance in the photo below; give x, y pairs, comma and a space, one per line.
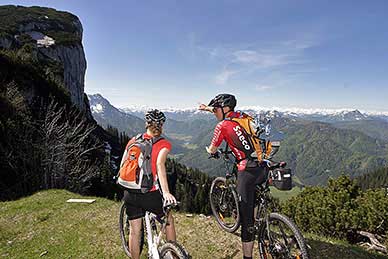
250, 173
137, 202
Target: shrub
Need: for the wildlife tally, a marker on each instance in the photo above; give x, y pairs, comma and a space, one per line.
339, 209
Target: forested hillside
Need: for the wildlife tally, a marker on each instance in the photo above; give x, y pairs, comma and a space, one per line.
48, 138
374, 180
377, 128
317, 151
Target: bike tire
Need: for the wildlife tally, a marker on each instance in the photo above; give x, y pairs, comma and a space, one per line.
125, 230
224, 204
172, 250
291, 243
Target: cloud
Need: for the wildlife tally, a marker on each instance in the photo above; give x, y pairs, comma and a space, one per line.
263, 87
224, 76
242, 60
263, 57
261, 60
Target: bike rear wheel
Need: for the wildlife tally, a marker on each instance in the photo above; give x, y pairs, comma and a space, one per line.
124, 228
172, 250
282, 240
224, 205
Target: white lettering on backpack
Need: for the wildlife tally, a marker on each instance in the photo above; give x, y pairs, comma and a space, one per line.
241, 137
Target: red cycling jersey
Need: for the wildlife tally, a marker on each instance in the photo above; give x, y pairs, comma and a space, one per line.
235, 136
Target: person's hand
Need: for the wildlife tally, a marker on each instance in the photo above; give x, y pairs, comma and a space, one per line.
202, 107
169, 198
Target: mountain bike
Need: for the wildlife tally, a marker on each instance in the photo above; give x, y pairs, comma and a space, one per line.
153, 231
277, 235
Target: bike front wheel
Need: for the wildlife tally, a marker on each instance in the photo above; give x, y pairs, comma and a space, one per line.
282, 239
224, 205
124, 229
172, 250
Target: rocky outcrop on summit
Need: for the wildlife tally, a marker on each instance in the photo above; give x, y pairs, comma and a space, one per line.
57, 38
74, 63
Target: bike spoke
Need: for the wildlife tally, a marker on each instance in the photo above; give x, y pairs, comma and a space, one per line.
281, 242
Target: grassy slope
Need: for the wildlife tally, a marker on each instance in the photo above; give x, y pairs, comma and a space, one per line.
45, 223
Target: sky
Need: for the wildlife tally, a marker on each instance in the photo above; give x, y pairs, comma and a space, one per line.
274, 53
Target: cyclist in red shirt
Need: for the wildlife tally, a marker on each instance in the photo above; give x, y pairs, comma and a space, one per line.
250, 173
138, 203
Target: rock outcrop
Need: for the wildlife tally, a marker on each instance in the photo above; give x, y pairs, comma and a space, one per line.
57, 37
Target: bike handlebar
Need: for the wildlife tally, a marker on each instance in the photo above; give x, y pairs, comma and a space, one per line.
220, 152
268, 163
169, 206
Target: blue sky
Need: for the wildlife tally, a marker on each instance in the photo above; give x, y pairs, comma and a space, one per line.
307, 54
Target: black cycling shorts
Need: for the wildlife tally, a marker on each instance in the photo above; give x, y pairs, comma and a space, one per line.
246, 188
138, 203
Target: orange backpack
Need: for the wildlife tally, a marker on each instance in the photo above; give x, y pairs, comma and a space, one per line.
262, 147
135, 168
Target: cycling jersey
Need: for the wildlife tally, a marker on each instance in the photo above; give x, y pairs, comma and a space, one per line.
237, 139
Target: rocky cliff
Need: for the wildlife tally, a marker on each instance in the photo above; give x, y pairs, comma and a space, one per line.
48, 137
55, 37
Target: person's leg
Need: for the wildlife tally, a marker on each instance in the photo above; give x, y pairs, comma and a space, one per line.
247, 249
135, 237
170, 228
135, 214
153, 202
246, 190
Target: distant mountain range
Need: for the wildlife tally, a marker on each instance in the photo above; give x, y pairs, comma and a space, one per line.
324, 115
318, 144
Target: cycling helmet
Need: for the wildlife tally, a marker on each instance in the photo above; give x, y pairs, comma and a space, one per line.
223, 100
154, 117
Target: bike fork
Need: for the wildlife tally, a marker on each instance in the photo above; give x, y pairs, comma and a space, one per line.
263, 250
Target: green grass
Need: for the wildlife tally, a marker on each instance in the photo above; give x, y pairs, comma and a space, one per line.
285, 195
45, 224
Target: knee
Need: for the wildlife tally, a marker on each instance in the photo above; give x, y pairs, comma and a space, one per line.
248, 233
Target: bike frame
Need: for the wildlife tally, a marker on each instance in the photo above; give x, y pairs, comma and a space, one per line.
262, 213
153, 240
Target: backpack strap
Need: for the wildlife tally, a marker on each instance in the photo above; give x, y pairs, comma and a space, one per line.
155, 140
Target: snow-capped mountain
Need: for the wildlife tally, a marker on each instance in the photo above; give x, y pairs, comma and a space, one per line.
101, 107
106, 114
171, 113
323, 115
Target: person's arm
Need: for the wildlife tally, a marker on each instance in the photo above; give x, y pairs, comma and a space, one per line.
217, 139
204, 107
211, 149
161, 169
